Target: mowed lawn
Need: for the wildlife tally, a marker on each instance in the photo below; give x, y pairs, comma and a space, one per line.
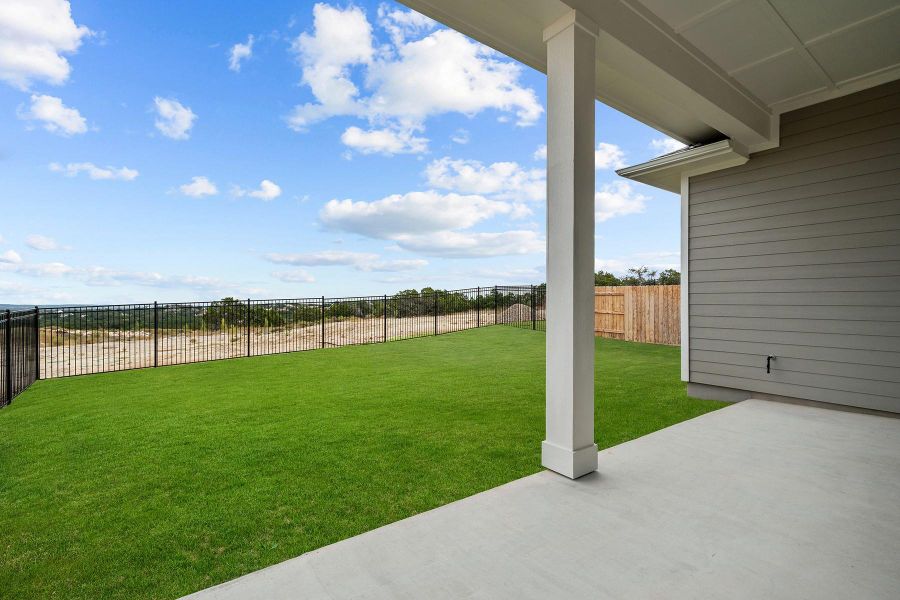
160, 482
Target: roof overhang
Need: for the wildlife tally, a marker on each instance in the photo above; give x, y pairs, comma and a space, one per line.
704, 70
640, 70
666, 171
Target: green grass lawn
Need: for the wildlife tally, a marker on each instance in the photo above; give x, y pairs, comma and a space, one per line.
160, 482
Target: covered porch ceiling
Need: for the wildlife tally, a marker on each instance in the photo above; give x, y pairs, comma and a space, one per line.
703, 70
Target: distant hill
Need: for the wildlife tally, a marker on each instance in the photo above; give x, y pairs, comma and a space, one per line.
29, 306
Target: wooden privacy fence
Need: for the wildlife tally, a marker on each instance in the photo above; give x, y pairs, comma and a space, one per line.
647, 313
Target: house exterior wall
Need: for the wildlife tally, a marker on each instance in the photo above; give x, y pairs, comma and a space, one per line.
796, 254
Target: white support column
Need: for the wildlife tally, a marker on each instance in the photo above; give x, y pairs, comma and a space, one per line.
685, 278
569, 448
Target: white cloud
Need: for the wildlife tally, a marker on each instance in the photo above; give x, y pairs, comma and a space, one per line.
460, 137
323, 258
616, 199
608, 156
17, 289
43, 243
411, 213
453, 244
410, 264
268, 190
429, 222
173, 120
400, 24
472, 78
505, 180
658, 257
520, 211
51, 269
239, 53
294, 276
541, 152
56, 116
384, 141
341, 39
400, 77
103, 276
95, 172
34, 34
10, 257
666, 145
198, 187
361, 261
193, 281
658, 261
612, 265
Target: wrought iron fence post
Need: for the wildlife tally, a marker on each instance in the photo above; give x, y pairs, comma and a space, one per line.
435, 311
384, 310
248, 326
8, 362
478, 307
533, 310
37, 342
495, 305
323, 321
155, 333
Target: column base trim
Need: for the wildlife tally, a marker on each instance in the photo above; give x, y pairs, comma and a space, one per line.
571, 463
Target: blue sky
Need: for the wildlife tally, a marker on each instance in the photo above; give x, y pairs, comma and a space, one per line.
191, 150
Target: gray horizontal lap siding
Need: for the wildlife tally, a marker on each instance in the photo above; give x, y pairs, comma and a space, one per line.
796, 254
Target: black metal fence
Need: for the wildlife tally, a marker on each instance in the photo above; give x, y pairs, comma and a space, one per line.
19, 352
78, 340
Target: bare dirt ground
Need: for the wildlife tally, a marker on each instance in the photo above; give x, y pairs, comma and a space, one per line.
95, 351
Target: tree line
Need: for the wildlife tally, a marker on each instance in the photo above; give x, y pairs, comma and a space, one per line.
229, 313
639, 276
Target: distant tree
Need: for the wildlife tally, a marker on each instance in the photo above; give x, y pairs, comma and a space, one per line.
669, 277
263, 316
640, 276
347, 308
452, 302
225, 313
606, 278
405, 303
306, 313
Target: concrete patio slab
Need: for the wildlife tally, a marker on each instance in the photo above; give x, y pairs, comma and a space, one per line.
757, 500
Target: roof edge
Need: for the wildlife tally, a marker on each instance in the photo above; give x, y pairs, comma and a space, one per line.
665, 171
